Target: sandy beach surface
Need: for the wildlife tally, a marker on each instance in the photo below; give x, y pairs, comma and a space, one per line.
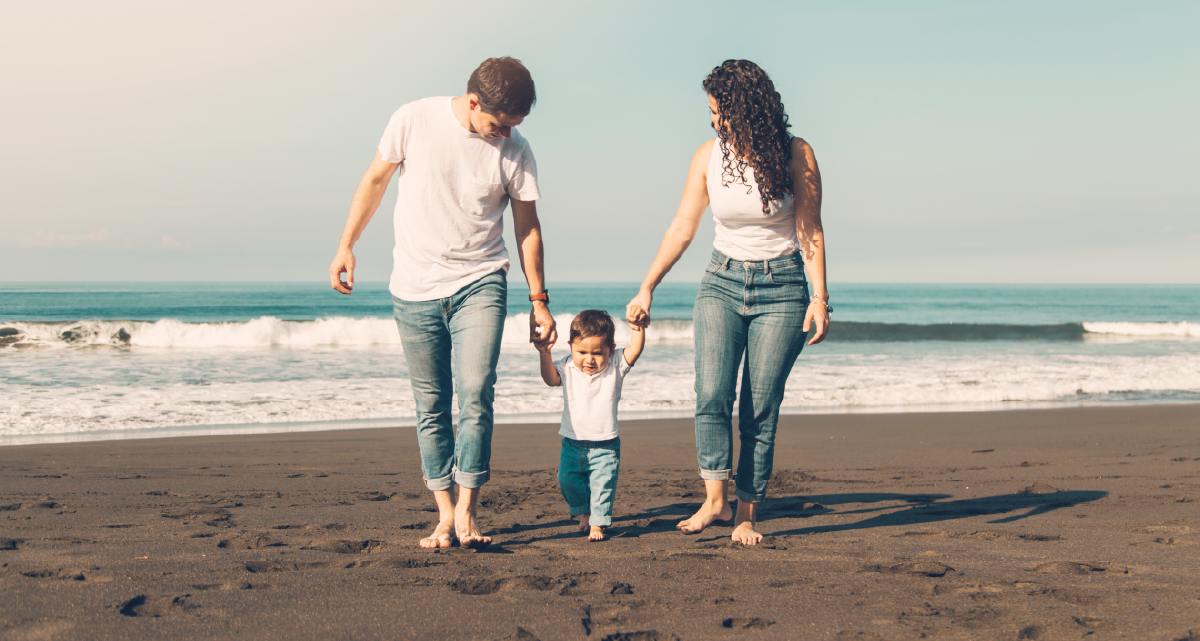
1031, 524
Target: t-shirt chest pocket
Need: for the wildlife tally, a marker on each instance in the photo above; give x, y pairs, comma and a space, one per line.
479, 199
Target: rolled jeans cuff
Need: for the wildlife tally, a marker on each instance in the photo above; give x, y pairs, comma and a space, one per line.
716, 475
583, 509
746, 497
439, 485
471, 480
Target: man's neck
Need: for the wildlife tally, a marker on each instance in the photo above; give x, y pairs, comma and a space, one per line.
461, 106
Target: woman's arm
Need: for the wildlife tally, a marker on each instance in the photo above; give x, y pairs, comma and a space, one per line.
806, 188
549, 373
679, 235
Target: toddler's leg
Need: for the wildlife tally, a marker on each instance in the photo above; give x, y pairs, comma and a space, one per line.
573, 478
604, 464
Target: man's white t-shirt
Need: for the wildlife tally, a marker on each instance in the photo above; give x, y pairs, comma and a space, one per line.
590, 402
452, 188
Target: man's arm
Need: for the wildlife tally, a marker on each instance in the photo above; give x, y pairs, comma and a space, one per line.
542, 330
370, 191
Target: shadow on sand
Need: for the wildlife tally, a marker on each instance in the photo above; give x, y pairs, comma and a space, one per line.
924, 508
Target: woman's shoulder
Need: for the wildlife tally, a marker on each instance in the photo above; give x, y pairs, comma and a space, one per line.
703, 155
802, 153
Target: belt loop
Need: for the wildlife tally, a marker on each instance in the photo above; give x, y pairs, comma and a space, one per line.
767, 267
725, 264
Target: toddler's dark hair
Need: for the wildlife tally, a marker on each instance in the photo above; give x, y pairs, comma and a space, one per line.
594, 322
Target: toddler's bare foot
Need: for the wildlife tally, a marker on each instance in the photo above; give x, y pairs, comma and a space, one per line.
584, 523
442, 537
597, 533
708, 514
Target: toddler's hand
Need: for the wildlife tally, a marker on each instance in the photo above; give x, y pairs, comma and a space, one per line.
638, 318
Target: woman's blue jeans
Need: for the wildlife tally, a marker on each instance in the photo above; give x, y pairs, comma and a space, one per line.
748, 314
455, 343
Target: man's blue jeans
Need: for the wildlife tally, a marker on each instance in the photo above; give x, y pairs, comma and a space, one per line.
455, 343
587, 476
748, 314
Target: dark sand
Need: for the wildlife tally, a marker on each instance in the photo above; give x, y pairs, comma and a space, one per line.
1044, 524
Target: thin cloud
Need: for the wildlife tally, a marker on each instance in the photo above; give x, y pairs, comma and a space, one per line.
168, 242
49, 239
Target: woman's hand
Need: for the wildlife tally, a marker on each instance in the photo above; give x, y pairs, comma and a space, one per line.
817, 314
637, 312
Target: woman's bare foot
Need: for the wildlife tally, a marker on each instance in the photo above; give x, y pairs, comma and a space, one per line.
584, 523
597, 533
743, 529
442, 537
709, 513
443, 534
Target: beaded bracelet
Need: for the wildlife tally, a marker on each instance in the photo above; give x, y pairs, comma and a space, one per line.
828, 309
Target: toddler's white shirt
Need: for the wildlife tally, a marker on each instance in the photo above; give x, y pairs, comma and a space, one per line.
590, 402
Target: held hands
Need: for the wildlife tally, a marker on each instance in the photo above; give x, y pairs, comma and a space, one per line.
343, 262
543, 331
637, 312
818, 313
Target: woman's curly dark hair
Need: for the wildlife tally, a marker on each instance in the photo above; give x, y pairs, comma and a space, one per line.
752, 119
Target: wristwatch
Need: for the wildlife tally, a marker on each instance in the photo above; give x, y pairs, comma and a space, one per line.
544, 297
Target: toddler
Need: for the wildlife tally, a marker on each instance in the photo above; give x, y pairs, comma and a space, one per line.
591, 378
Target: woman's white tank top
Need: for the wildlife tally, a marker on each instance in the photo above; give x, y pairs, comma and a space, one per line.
743, 231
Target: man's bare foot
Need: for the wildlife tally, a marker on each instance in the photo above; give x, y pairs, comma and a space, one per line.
442, 537
597, 533
710, 512
743, 529
584, 523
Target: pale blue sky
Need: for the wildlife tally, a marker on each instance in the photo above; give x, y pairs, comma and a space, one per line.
959, 142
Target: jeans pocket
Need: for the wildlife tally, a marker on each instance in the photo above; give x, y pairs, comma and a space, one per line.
789, 276
714, 267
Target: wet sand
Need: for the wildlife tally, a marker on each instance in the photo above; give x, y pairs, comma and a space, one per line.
1039, 524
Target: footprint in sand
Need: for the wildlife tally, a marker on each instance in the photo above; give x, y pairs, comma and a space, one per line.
251, 541
923, 568
145, 606
641, 635
262, 567
1068, 567
750, 623
345, 547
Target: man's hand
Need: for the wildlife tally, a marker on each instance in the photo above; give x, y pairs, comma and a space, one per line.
637, 312
343, 262
543, 332
818, 314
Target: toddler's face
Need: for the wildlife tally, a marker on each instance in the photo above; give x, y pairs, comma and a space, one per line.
590, 354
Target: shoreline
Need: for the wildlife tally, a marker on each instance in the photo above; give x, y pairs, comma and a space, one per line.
546, 418
1049, 523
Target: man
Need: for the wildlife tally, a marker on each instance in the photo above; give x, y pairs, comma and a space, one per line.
460, 163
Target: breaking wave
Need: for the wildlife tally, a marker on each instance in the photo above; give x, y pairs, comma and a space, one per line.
268, 331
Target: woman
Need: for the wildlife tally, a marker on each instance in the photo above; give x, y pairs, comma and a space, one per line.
753, 309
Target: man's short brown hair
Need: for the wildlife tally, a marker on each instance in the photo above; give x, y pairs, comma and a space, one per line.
504, 86
594, 322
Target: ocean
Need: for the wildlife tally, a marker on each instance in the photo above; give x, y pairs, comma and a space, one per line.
90, 361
